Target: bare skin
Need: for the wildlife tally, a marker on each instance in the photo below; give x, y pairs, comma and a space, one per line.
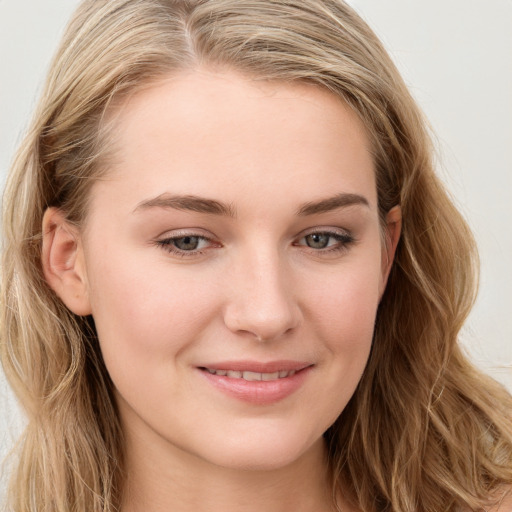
237, 230
192, 485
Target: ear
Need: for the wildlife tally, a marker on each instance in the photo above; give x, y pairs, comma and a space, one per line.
392, 232
63, 262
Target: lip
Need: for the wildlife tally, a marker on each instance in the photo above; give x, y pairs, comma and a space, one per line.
258, 392
259, 367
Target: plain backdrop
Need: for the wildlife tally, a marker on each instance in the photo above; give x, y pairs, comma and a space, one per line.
456, 57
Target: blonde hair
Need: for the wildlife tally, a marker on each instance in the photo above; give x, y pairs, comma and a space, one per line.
424, 430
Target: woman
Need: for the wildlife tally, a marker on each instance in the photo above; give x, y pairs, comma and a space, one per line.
231, 279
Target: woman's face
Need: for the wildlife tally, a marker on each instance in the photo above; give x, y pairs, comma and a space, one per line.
233, 262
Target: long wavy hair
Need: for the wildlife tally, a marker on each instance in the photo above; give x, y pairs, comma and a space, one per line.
424, 431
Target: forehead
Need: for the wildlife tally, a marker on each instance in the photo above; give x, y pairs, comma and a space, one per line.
223, 135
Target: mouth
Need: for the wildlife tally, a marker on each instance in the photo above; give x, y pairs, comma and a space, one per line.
257, 383
251, 376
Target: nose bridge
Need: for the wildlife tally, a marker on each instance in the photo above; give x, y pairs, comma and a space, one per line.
262, 300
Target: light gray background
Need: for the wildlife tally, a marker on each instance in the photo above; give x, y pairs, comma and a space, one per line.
456, 56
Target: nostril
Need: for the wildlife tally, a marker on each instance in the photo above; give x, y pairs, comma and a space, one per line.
263, 308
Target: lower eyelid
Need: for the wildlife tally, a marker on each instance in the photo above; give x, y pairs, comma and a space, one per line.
344, 238
168, 245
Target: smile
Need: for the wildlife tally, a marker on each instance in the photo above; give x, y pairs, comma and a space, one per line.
252, 376
257, 383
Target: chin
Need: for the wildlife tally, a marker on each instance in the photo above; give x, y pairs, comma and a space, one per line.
264, 452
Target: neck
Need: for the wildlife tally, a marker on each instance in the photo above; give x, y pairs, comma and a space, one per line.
162, 477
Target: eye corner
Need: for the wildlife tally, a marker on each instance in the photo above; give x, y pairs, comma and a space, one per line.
186, 244
323, 241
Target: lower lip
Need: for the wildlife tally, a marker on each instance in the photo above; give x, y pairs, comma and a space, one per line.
258, 392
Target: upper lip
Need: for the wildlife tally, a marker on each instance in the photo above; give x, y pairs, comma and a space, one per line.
258, 367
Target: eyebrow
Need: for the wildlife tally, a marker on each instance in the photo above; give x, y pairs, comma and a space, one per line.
213, 207
188, 203
332, 203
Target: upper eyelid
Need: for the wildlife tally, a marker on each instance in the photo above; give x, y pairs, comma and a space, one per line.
181, 233
341, 245
325, 230
198, 232
163, 240
166, 243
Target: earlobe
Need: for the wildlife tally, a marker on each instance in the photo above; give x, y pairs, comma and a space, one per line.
393, 229
63, 262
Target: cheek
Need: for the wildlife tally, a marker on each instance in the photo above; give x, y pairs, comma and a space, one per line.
344, 304
145, 314
342, 313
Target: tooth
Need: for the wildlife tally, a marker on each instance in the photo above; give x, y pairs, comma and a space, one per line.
251, 376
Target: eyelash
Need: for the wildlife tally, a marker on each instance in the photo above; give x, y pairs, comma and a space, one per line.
343, 239
167, 245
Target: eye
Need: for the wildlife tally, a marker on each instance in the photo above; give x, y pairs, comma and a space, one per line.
326, 241
186, 245
318, 240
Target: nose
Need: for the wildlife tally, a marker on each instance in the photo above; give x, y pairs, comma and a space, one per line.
261, 301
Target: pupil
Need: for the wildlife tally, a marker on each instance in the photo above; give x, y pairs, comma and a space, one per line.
187, 243
317, 241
